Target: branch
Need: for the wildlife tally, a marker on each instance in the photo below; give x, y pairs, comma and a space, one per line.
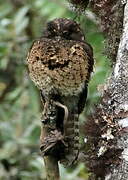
48, 141
52, 140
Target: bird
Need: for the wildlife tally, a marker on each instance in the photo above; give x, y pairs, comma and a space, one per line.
60, 63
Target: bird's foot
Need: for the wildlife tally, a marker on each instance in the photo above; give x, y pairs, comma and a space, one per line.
53, 143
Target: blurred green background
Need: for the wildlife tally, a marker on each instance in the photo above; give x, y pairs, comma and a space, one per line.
22, 21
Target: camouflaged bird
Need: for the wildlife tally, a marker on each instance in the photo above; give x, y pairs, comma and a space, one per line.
60, 64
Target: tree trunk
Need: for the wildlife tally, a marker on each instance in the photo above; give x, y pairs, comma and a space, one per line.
119, 89
107, 129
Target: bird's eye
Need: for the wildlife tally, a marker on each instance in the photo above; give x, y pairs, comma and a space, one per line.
66, 33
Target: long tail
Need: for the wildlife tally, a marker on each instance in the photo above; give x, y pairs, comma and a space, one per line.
71, 133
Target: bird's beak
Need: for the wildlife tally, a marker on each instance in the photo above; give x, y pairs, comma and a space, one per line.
58, 38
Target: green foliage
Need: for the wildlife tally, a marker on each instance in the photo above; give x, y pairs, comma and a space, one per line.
20, 23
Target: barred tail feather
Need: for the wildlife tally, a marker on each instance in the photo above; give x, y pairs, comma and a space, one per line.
72, 135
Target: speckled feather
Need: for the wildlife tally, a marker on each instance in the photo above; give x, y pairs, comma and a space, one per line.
62, 67
58, 66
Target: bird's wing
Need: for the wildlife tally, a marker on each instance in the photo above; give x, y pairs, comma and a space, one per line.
83, 95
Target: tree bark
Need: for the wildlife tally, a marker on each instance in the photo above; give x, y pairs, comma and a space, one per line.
48, 141
107, 129
110, 13
119, 89
52, 169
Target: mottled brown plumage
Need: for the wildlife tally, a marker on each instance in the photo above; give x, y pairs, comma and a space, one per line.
59, 67
60, 64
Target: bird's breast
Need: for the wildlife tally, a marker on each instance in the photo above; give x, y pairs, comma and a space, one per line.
59, 65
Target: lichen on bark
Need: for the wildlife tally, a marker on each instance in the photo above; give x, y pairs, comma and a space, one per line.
107, 129
110, 13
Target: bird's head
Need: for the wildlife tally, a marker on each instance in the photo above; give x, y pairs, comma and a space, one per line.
63, 28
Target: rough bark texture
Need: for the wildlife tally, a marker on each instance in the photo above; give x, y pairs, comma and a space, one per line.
48, 142
110, 13
119, 91
107, 128
52, 169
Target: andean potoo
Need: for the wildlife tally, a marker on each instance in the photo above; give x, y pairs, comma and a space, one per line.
60, 64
